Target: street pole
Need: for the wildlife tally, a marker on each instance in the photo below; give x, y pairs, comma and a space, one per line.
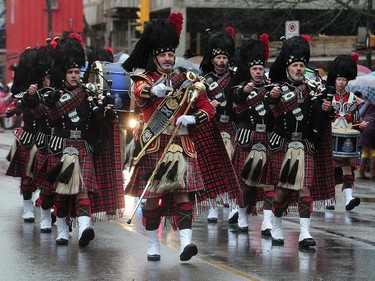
49, 16
179, 6
368, 26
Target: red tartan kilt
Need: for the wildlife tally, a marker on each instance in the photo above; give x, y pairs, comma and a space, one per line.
216, 167
40, 159
275, 167
85, 161
239, 159
340, 161
227, 127
41, 168
144, 169
18, 165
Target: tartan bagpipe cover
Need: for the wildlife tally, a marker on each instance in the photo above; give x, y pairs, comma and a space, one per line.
109, 202
324, 179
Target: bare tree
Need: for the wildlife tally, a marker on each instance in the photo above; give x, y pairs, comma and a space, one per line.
331, 17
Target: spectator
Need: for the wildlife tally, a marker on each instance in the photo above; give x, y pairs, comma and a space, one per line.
367, 143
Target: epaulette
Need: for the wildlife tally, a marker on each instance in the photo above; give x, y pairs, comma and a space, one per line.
140, 76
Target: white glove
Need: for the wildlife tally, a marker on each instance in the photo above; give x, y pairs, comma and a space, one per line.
185, 120
159, 90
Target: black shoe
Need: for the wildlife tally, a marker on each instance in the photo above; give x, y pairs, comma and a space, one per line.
266, 233
306, 243
308, 250
62, 241
46, 230
188, 252
87, 235
212, 220
234, 218
353, 203
277, 242
244, 229
29, 220
330, 207
153, 257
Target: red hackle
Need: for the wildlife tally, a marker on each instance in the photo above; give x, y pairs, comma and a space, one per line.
306, 37
355, 57
77, 37
230, 31
264, 39
177, 20
53, 44
109, 49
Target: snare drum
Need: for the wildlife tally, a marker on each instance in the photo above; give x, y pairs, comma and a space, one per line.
345, 142
102, 73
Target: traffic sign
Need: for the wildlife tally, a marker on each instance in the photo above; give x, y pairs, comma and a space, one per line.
291, 28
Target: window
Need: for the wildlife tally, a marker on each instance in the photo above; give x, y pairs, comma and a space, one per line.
54, 4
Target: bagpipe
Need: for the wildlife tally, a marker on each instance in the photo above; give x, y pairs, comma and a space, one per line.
100, 103
320, 90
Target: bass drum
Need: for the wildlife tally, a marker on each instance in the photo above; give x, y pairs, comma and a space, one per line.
111, 77
345, 142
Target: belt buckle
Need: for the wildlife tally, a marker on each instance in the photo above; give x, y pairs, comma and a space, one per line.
75, 134
297, 136
224, 118
261, 128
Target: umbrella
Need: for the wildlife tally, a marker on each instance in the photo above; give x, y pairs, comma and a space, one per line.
120, 57
364, 84
185, 64
363, 70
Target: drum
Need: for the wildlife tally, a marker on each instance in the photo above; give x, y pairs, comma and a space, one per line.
111, 77
345, 142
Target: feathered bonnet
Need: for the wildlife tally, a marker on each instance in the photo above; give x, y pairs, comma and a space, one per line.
159, 36
219, 43
343, 66
252, 52
100, 54
42, 62
294, 49
69, 53
22, 71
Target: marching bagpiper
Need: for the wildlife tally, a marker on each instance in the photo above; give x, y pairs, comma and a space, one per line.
170, 172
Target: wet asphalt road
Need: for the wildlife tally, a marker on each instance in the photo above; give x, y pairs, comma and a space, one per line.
345, 245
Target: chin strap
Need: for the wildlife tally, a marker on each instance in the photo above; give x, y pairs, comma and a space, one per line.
157, 62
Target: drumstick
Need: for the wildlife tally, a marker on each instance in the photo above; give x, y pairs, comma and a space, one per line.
358, 124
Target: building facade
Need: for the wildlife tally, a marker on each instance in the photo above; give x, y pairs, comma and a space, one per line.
29, 24
113, 20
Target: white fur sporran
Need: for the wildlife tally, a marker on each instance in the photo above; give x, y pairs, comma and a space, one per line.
228, 144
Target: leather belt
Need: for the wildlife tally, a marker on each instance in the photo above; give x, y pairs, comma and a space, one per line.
296, 136
260, 128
